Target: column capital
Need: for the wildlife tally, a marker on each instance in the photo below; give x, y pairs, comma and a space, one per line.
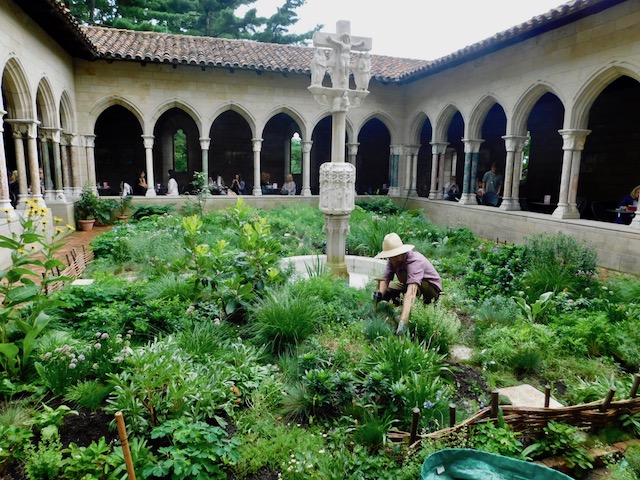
148, 141
306, 146
89, 141
257, 144
472, 145
438, 148
411, 149
205, 143
514, 143
24, 127
574, 139
49, 133
396, 149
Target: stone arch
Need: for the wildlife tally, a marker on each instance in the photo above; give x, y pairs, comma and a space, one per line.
385, 119
441, 127
525, 104
15, 87
237, 108
110, 101
593, 87
185, 107
416, 125
46, 105
296, 116
478, 115
67, 118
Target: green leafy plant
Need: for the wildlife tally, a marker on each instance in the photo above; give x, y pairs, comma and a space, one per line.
499, 439
124, 205
104, 208
85, 206
533, 312
198, 451
562, 439
22, 311
44, 461
435, 324
13, 440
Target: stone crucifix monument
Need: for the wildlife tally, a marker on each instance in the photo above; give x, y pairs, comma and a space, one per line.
337, 178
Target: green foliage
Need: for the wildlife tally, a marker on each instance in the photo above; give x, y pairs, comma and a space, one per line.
533, 312
557, 263
379, 204
143, 211
197, 451
497, 270
496, 439
44, 461
377, 327
23, 305
436, 325
89, 394
64, 365
283, 320
13, 440
562, 439
85, 206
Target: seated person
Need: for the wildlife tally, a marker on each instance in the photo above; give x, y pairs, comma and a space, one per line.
172, 185
265, 181
452, 190
289, 186
237, 185
630, 200
141, 186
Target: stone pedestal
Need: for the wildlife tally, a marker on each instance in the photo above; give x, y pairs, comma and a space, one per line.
337, 201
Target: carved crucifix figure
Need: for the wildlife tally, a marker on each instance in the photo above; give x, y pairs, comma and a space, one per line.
341, 44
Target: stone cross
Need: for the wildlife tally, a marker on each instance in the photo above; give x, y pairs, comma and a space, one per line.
341, 43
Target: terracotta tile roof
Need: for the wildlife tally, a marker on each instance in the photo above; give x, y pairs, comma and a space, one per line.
217, 52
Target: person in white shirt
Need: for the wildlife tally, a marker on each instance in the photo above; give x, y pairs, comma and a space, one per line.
289, 186
172, 185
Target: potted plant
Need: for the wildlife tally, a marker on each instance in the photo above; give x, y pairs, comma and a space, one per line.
123, 207
104, 208
85, 209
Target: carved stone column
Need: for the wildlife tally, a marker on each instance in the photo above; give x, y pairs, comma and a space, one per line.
306, 168
74, 158
5, 198
44, 136
337, 201
572, 146
471, 149
352, 153
19, 133
148, 155
257, 148
205, 143
394, 170
438, 150
89, 147
32, 155
514, 146
411, 169
65, 143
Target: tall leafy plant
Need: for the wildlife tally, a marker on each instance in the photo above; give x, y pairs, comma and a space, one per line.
24, 300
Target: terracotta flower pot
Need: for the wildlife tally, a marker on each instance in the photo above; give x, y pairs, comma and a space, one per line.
86, 225
123, 218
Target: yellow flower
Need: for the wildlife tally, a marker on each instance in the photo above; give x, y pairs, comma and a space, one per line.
59, 229
7, 210
73, 229
57, 219
22, 251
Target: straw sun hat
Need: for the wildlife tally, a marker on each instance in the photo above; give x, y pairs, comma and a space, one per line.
392, 246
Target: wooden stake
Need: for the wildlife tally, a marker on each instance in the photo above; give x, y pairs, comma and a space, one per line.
452, 414
607, 401
495, 401
414, 425
122, 433
634, 387
547, 395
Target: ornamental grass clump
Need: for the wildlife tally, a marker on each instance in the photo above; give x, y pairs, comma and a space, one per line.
282, 321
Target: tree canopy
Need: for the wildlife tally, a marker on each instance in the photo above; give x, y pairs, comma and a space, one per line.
213, 18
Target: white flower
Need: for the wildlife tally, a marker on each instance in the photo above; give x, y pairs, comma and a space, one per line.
94, 366
98, 334
104, 336
72, 365
81, 357
97, 346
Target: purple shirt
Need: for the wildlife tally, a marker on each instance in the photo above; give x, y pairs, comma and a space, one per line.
414, 269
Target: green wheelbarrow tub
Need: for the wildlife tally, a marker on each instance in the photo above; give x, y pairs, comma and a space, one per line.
467, 464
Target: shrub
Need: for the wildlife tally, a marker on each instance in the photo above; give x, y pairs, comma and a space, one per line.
496, 439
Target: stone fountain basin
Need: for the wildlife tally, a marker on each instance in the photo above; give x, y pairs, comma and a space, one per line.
361, 269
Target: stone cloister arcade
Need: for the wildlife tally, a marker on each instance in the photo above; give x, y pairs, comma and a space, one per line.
586, 152
556, 110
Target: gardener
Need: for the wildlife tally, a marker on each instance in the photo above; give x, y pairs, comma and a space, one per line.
416, 276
